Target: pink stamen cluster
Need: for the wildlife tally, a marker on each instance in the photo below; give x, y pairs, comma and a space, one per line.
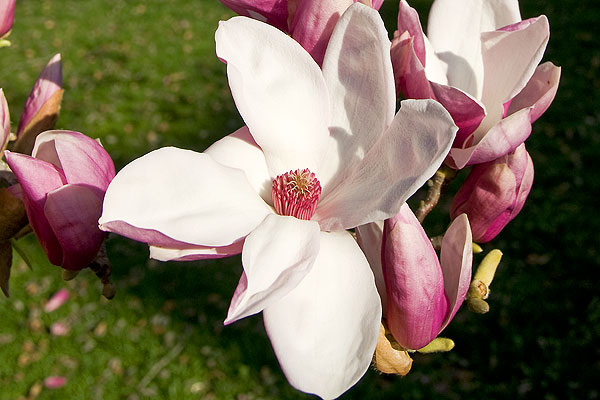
296, 193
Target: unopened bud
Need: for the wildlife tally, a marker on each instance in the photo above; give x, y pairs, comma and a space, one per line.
479, 289
438, 345
487, 269
478, 306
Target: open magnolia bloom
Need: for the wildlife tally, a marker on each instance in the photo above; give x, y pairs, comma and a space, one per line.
309, 22
481, 62
322, 152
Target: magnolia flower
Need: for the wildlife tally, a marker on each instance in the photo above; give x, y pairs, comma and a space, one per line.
322, 152
494, 193
423, 293
7, 17
42, 106
419, 295
309, 22
481, 62
63, 185
40, 112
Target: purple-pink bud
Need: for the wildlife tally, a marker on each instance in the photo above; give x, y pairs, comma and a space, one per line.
494, 193
47, 84
423, 294
63, 185
7, 16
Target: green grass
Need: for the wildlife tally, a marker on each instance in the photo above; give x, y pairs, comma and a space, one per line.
143, 74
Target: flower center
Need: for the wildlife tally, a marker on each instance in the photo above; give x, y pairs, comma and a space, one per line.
296, 193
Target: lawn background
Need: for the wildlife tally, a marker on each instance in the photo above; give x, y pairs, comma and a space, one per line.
141, 75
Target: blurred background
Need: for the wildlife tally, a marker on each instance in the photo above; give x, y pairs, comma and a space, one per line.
141, 75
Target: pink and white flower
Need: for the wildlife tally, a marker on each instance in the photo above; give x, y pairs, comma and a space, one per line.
480, 60
41, 109
47, 84
309, 22
322, 152
62, 185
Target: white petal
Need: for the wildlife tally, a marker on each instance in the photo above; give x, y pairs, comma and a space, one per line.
454, 29
359, 76
186, 196
195, 252
279, 91
404, 158
239, 150
324, 331
277, 255
369, 238
435, 69
509, 60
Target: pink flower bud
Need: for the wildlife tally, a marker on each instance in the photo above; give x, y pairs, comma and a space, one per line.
7, 16
494, 193
58, 299
63, 185
423, 294
47, 84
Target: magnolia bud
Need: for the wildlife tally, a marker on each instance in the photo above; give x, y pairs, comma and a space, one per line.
7, 17
479, 290
63, 185
438, 345
494, 193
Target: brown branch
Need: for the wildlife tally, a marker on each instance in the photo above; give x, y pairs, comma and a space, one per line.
435, 190
103, 270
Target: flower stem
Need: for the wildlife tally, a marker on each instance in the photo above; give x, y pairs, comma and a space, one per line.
435, 184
